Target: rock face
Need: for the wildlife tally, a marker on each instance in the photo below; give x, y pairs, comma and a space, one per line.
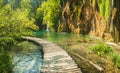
81, 17
69, 16
98, 25
28, 63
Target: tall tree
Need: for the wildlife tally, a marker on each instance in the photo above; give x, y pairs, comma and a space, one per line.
51, 10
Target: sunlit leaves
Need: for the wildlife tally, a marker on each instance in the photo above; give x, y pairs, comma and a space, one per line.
104, 6
25, 4
108, 8
15, 21
51, 10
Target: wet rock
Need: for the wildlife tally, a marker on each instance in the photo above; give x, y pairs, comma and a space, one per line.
27, 63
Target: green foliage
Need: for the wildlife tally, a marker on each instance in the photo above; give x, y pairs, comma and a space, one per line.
14, 23
5, 63
1, 3
39, 17
25, 4
102, 49
25, 46
84, 38
116, 60
107, 8
51, 10
35, 4
104, 6
14, 3
7, 43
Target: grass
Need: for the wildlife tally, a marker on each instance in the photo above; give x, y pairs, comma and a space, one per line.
102, 49
84, 38
100, 53
116, 60
80, 45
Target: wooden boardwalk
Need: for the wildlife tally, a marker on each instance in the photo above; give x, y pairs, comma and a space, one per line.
55, 59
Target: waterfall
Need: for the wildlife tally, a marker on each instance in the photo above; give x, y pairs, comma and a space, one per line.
47, 29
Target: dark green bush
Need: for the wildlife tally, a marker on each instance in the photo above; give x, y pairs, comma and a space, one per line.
7, 43
5, 63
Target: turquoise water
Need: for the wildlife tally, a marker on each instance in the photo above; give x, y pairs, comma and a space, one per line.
60, 38
28, 60
56, 37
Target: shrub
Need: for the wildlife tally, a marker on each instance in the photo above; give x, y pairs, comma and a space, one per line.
116, 60
102, 48
5, 63
51, 11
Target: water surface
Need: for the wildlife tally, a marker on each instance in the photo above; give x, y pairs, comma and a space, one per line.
57, 37
29, 60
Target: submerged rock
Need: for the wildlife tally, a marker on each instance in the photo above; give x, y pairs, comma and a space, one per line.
27, 63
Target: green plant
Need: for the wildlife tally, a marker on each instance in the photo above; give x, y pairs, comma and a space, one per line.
107, 8
102, 48
25, 46
5, 63
116, 60
51, 10
102, 7
84, 38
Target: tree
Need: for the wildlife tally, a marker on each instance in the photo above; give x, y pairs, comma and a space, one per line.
51, 10
14, 23
14, 3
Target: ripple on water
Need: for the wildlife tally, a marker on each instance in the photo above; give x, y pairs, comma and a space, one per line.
27, 63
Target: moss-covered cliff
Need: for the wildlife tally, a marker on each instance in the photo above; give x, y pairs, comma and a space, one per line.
93, 17
82, 17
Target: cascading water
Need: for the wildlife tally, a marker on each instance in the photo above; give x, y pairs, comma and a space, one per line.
47, 29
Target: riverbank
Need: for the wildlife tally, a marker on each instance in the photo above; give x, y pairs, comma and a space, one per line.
80, 45
23, 57
28, 58
56, 60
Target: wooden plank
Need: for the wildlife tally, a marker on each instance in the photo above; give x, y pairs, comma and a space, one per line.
53, 56
90, 62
